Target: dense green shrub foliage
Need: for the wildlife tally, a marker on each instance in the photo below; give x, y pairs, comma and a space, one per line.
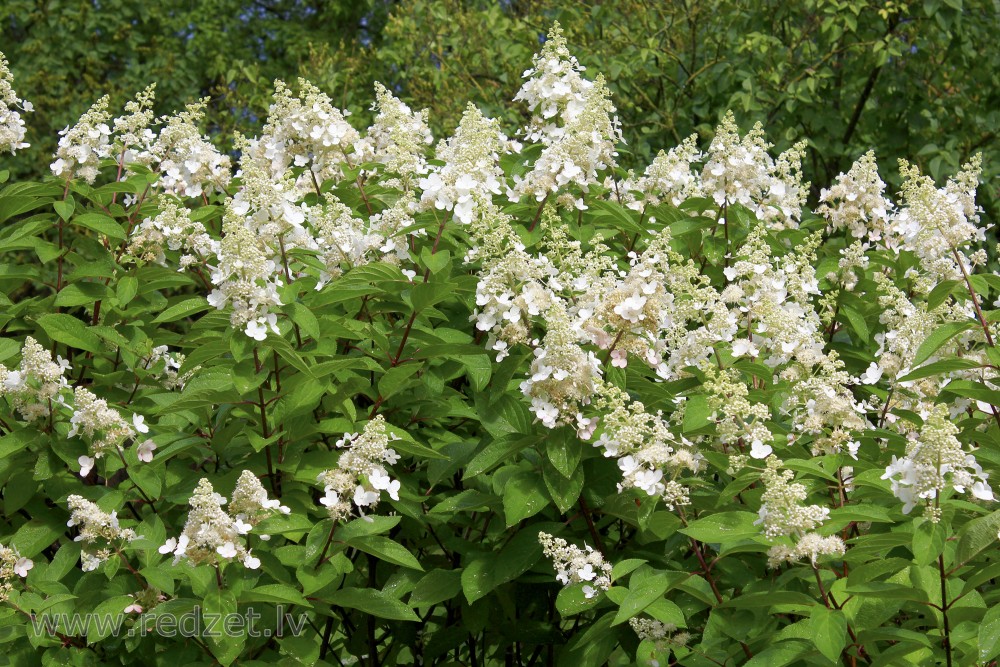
493, 397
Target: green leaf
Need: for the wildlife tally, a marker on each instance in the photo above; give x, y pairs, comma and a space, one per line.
942, 366
70, 331
35, 536
305, 319
640, 595
857, 322
477, 577
723, 527
829, 631
435, 261
524, 496
65, 209
127, 288
780, 654
183, 309
937, 338
101, 224
386, 549
623, 567
374, 602
81, 294
435, 587
928, 542
107, 617
697, 413
563, 450
989, 635
282, 593
395, 379
975, 536
497, 452
571, 601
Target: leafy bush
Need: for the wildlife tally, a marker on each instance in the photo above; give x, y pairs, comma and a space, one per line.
494, 400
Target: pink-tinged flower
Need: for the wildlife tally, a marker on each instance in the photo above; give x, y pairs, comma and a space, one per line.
22, 566
145, 451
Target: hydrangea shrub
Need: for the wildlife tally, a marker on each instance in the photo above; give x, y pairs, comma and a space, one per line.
489, 398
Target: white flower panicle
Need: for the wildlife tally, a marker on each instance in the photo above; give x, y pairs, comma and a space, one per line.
133, 138
269, 202
660, 634
171, 229
563, 376
101, 534
245, 278
13, 566
811, 545
398, 139
101, 425
189, 165
935, 460
937, 224
37, 384
359, 479
250, 504
574, 565
857, 202
645, 447
82, 147
345, 240
584, 148
12, 131
211, 536
471, 169
907, 325
782, 512
306, 131
555, 90
510, 291
741, 171
671, 177
169, 373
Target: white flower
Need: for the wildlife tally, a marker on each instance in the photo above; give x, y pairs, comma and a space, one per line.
168, 546
379, 479
14, 380
363, 497
22, 566
630, 309
743, 346
145, 450
256, 329
589, 592
227, 550
251, 562
759, 450
242, 527
139, 422
981, 490
872, 375
86, 465
330, 499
